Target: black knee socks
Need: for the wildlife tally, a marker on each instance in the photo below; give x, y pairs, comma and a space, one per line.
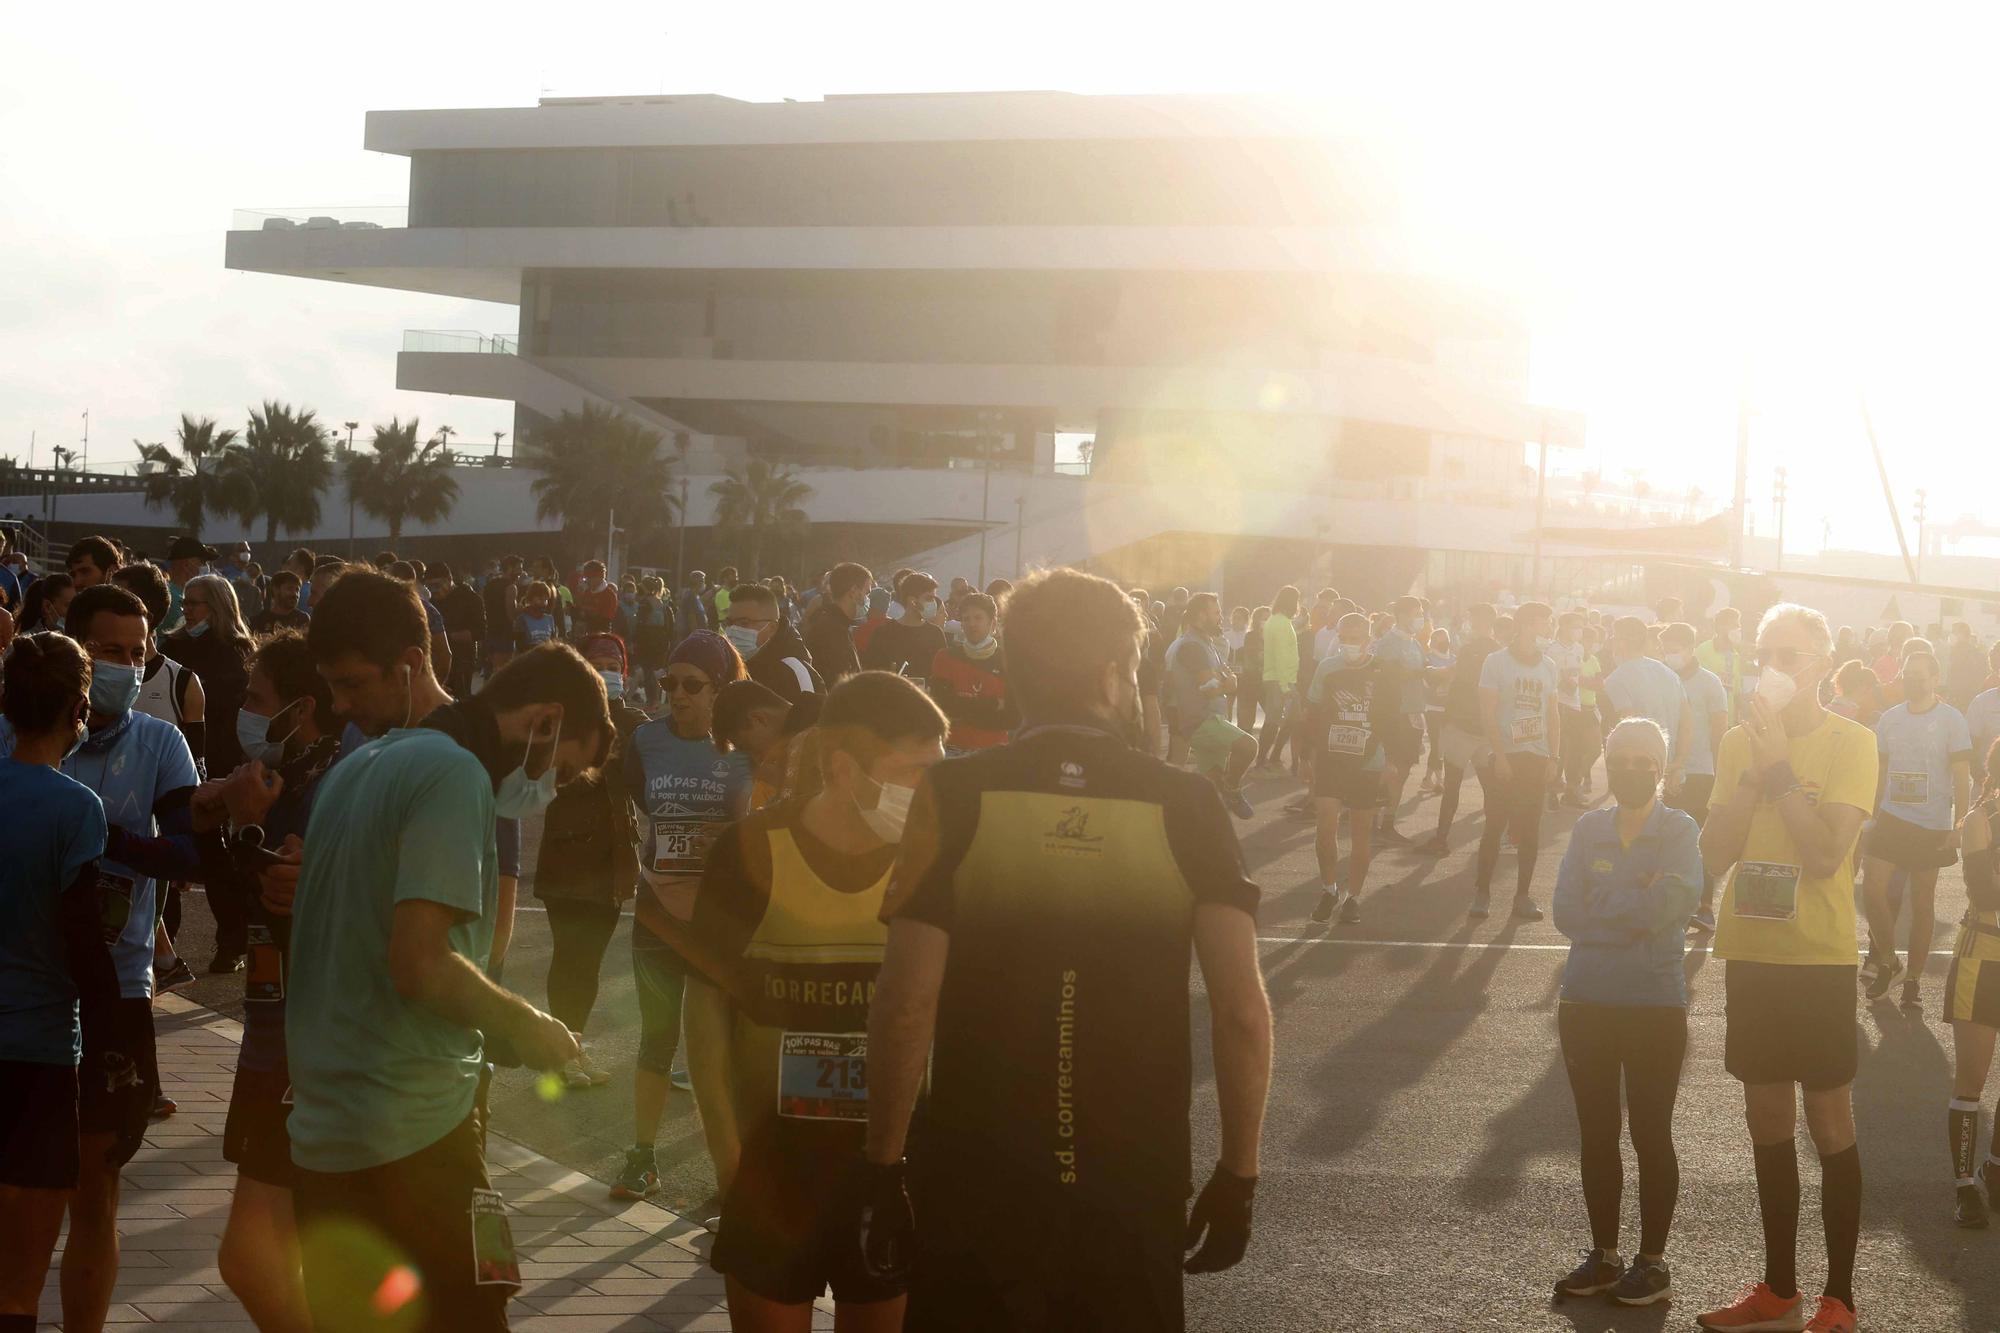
1840, 1205
1778, 1202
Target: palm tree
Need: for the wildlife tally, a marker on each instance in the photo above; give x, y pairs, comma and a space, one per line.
402, 480
595, 464
196, 477
285, 465
756, 499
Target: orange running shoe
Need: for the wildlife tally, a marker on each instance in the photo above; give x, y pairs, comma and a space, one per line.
1833, 1317
1760, 1310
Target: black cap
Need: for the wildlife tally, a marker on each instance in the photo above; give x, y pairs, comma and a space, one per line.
189, 548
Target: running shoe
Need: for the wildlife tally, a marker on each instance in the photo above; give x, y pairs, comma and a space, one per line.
1429, 787
175, 977
1870, 961
1436, 846
1525, 910
1758, 1310
164, 1106
1833, 1317
1239, 804
1971, 1210
640, 1178
679, 1078
1350, 911
1482, 905
225, 962
1391, 836
1328, 904
1647, 1281
1703, 922
1598, 1272
574, 1077
596, 1073
1913, 992
1886, 972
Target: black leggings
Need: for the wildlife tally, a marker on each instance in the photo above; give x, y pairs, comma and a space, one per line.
1644, 1043
580, 933
1516, 804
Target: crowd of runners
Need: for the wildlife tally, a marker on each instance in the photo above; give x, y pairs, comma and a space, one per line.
914, 876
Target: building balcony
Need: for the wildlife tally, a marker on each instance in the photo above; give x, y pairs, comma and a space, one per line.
358, 217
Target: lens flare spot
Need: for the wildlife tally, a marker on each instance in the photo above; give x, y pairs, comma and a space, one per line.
550, 1087
397, 1290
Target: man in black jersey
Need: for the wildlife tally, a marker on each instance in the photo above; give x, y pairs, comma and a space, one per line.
1041, 916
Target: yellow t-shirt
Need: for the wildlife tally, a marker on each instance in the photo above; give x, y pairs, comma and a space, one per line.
1772, 910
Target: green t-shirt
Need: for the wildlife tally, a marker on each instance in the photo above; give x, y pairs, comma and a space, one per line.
377, 1077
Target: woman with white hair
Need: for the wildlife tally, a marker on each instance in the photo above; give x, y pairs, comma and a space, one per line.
1623, 895
213, 643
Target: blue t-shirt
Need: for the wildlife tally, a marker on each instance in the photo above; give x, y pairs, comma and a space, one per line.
130, 765
1404, 657
1625, 909
55, 827
1705, 697
1919, 748
377, 1077
1647, 687
1982, 715
1525, 689
531, 630
687, 790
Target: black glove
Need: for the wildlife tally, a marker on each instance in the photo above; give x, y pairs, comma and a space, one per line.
887, 1222
1223, 1211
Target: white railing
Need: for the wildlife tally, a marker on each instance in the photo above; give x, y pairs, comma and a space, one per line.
459, 340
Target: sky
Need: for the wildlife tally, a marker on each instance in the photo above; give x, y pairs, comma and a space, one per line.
1684, 201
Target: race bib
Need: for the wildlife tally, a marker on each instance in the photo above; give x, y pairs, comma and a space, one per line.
1767, 891
494, 1260
823, 1075
679, 845
1524, 730
1342, 738
264, 968
1909, 788
114, 894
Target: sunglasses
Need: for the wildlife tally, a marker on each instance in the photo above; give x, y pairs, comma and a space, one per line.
687, 685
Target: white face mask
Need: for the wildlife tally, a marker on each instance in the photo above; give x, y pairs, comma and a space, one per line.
520, 795
1776, 688
891, 812
1354, 653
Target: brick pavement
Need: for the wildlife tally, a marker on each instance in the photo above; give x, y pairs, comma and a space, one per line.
588, 1263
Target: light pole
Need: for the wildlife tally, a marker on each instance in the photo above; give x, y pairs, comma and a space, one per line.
348, 482
1920, 535
1778, 499
681, 555
496, 446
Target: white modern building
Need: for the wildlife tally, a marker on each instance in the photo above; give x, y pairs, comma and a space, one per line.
925, 304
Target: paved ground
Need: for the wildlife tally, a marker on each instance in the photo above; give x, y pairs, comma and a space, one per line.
1420, 1151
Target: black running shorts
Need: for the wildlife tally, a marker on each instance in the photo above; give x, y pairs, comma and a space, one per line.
1908, 846
791, 1226
1791, 1023
1344, 780
254, 1135
38, 1126
99, 1108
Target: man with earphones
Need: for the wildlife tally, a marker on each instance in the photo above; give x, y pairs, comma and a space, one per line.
390, 1002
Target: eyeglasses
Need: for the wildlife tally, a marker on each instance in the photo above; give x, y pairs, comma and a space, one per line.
689, 685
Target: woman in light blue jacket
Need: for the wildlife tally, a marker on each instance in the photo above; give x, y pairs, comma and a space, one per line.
1630, 879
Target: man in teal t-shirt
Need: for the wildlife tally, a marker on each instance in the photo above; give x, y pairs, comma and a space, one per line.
388, 993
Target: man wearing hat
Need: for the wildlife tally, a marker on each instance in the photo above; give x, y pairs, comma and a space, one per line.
185, 559
236, 566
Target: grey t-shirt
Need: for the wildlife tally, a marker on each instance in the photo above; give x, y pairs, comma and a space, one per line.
1647, 687
1706, 698
1191, 660
1524, 689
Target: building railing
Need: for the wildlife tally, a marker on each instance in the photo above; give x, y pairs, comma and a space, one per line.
356, 217
459, 340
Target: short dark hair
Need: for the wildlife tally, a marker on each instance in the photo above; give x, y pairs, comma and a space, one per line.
978, 601
369, 613
284, 578
97, 550
873, 709
150, 585
87, 605
287, 659
849, 577
552, 673
1203, 600
1286, 603
43, 679
401, 569
1063, 628
735, 702
302, 554
911, 580
1628, 629
384, 559
327, 562
440, 570
999, 588
752, 592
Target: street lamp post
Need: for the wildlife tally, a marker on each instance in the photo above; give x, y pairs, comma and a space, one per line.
1778, 499
348, 482
1921, 513
496, 446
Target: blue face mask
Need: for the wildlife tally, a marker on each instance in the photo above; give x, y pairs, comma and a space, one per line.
743, 638
195, 631
253, 734
519, 795
113, 688
614, 684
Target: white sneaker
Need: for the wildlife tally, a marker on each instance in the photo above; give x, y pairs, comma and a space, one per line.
597, 1075
679, 1078
574, 1075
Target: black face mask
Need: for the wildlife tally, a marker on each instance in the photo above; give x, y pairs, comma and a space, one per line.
1634, 786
